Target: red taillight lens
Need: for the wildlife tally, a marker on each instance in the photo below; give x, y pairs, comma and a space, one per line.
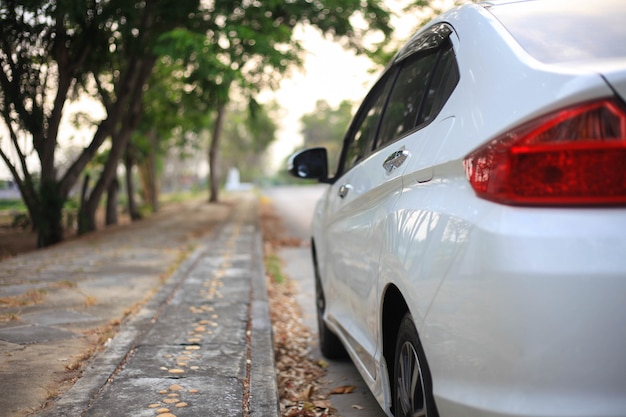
576, 156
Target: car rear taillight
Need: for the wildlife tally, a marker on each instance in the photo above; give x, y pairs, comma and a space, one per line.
575, 156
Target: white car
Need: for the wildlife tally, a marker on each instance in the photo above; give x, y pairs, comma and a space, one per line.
470, 250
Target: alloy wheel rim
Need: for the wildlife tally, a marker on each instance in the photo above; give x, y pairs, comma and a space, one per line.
410, 384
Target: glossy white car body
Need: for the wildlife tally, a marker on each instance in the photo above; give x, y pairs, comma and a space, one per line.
520, 309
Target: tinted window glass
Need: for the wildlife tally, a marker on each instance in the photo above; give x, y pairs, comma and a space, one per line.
445, 78
558, 33
406, 97
362, 134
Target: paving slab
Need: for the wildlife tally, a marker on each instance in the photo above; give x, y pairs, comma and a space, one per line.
192, 400
24, 335
203, 326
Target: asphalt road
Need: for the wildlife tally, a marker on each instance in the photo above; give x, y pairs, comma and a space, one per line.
295, 205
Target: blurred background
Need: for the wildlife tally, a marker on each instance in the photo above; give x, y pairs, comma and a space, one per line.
109, 106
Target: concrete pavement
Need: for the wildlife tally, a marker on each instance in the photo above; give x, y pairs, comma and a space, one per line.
200, 345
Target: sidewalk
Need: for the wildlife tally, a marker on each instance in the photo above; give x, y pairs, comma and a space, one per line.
200, 345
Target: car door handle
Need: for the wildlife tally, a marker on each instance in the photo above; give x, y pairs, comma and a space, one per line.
344, 190
396, 159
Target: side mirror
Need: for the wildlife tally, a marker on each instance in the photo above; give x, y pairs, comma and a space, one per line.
310, 163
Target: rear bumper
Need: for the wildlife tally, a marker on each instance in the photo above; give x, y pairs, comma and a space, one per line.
530, 317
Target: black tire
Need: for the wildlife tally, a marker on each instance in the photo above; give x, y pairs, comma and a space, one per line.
412, 384
330, 345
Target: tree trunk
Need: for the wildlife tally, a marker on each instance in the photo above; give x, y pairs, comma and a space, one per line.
111, 211
107, 175
133, 211
48, 219
148, 173
214, 174
141, 70
48, 216
153, 180
83, 217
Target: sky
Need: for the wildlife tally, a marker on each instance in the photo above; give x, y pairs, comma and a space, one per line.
330, 73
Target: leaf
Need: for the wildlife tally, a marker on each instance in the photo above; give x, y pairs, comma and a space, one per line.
305, 394
323, 364
344, 389
322, 404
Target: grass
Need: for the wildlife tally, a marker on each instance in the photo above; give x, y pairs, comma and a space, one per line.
181, 196
6, 317
12, 204
273, 266
29, 298
9, 209
90, 300
66, 283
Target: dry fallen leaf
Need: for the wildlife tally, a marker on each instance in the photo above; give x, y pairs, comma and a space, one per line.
322, 404
298, 375
344, 389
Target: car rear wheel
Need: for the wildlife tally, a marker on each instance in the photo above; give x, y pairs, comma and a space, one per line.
412, 384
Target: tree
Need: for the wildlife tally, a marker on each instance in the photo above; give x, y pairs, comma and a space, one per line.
171, 114
54, 51
128, 69
248, 132
33, 40
325, 127
251, 44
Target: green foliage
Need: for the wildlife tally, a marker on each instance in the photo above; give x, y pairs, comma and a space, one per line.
244, 44
424, 10
12, 204
70, 213
55, 51
14, 213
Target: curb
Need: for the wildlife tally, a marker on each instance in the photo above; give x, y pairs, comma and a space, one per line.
263, 384
103, 367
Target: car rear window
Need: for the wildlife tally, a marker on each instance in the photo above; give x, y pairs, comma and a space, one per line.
565, 32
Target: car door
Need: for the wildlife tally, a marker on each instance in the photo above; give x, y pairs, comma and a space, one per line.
352, 252
383, 137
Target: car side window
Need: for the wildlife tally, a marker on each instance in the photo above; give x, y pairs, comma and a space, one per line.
445, 78
411, 93
406, 97
362, 134
424, 84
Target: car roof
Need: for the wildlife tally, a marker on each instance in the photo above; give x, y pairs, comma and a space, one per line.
565, 31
